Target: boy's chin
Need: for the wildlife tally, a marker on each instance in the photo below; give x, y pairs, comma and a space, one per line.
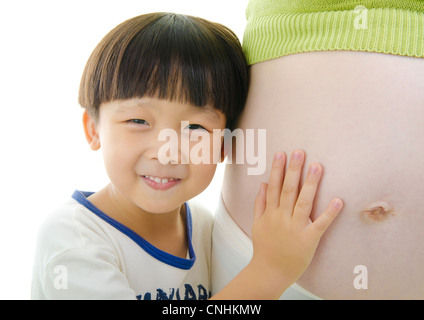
157, 208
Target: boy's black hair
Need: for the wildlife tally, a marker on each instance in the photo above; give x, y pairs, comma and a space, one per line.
168, 56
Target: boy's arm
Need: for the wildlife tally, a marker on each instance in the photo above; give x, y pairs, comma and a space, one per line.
81, 274
284, 238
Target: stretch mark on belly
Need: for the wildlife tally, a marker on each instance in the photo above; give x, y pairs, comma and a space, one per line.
377, 211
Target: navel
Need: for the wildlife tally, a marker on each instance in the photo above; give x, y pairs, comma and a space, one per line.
377, 211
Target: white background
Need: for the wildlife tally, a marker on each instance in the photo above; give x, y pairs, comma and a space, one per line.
44, 156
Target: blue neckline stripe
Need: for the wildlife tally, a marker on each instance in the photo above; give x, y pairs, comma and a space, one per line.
177, 262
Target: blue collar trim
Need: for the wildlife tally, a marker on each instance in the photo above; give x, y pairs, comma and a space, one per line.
177, 262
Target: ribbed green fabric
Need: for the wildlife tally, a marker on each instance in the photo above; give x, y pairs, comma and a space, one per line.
277, 28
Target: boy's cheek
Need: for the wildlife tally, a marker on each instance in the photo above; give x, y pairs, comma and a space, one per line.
204, 174
117, 158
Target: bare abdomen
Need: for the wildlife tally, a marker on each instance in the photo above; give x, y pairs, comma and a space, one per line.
361, 115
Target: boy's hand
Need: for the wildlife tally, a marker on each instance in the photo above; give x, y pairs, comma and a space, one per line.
284, 238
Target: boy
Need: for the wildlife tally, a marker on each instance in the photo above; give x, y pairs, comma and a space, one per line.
138, 237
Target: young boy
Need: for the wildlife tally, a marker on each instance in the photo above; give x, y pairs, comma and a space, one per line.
139, 238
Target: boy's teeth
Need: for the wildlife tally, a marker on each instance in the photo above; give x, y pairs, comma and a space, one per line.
159, 180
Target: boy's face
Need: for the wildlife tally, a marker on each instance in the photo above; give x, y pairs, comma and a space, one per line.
136, 137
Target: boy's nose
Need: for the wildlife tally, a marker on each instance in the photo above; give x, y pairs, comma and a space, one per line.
167, 148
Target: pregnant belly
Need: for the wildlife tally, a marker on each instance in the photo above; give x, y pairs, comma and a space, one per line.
361, 115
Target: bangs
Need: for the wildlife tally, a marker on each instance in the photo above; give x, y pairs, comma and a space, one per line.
164, 63
168, 56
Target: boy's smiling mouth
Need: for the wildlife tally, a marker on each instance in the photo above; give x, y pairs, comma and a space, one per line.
159, 183
160, 180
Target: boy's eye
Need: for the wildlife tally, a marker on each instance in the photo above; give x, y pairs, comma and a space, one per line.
195, 127
138, 121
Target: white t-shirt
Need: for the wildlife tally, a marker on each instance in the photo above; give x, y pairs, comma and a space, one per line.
84, 254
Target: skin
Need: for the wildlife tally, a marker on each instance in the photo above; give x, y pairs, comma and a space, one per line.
284, 238
127, 132
361, 116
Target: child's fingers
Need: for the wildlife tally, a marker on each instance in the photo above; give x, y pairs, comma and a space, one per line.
303, 207
260, 202
275, 181
320, 225
291, 181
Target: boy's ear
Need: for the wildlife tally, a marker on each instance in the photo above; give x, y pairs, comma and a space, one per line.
90, 131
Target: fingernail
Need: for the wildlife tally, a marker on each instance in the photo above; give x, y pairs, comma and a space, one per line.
313, 169
337, 203
279, 156
297, 155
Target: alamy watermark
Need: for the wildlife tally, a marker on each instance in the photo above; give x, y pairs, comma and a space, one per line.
361, 19
361, 280
203, 148
60, 282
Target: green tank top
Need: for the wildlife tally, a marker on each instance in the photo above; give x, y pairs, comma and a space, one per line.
277, 28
